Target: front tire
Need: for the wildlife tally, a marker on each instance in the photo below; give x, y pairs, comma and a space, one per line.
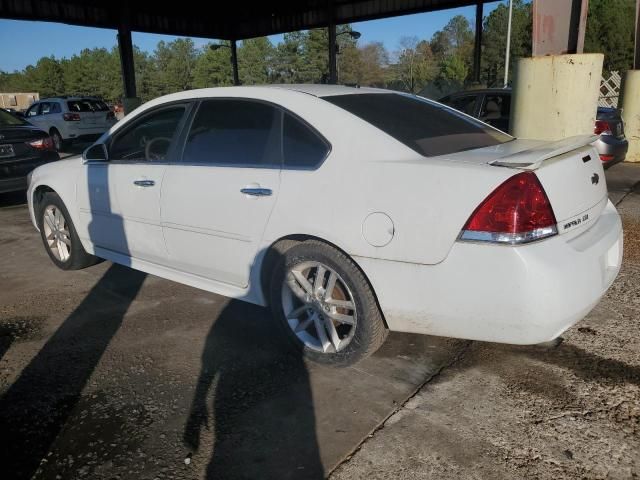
324, 305
59, 235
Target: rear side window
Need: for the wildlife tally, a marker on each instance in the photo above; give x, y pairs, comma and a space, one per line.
302, 147
55, 108
99, 106
239, 133
45, 108
427, 127
79, 106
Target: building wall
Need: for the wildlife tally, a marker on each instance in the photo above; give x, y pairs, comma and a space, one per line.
19, 101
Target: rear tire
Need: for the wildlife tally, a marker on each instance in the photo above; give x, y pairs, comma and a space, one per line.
58, 141
59, 235
335, 320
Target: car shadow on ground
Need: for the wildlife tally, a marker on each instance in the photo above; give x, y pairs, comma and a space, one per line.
36, 406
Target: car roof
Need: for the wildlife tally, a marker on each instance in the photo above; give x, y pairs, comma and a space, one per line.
479, 91
323, 90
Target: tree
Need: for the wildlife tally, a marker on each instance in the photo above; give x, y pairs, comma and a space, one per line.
46, 77
610, 30
174, 65
416, 64
213, 68
494, 40
255, 57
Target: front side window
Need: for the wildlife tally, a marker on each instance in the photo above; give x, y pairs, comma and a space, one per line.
301, 147
427, 127
233, 132
149, 138
33, 110
465, 104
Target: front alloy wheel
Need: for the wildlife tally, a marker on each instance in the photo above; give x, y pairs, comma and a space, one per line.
319, 307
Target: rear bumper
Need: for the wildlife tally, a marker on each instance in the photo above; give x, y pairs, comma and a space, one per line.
13, 184
613, 147
73, 132
520, 295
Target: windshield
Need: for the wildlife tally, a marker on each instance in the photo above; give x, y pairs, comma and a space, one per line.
427, 127
8, 120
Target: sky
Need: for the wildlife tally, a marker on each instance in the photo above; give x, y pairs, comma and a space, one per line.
25, 42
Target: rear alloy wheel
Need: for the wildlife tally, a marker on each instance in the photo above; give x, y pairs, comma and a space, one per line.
325, 305
319, 307
59, 235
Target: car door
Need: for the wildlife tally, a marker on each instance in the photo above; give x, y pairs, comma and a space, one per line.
119, 199
33, 115
216, 202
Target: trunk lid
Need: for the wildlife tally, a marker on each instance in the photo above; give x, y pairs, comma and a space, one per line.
572, 176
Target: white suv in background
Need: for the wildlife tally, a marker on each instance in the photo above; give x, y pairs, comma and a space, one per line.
70, 118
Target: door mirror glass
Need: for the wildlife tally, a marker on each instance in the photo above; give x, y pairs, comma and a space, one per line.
96, 153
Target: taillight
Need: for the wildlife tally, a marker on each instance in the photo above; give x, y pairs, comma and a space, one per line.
606, 158
45, 143
518, 211
71, 117
602, 128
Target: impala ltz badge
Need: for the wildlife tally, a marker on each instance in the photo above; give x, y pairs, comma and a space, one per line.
595, 179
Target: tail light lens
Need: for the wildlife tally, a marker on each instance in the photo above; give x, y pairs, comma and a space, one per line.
602, 128
516, 212
606, 158
71, 117
45, 143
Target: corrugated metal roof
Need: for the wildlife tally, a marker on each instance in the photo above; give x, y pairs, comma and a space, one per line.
223, 19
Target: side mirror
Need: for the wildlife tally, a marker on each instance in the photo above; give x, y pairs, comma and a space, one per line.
96, 153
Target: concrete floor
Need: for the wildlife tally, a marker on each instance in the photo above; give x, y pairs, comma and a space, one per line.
107, 373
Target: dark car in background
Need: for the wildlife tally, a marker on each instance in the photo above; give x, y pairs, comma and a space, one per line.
493, 106
23, 147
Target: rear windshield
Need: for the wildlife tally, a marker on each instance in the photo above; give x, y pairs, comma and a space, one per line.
87, 105
428, 128
7, 119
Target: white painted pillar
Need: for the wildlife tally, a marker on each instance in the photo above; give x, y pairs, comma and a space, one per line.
556, 96
630, 103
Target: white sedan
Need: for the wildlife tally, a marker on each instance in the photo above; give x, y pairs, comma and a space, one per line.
349, 211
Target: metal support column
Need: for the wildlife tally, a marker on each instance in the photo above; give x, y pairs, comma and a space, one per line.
234, 63
126, 61
333, 67
477, 46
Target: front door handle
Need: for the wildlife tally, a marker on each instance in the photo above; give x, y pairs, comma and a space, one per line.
257, 192
144, 183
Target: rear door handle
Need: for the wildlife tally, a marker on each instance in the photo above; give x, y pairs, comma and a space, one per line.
144, 183
257, 192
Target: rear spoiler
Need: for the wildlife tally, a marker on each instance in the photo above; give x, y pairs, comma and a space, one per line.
532, 158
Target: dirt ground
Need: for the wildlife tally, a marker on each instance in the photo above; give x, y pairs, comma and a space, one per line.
107, 373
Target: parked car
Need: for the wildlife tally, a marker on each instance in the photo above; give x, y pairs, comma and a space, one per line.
493, 106
71, 118
350, 211
22, 148
14, 112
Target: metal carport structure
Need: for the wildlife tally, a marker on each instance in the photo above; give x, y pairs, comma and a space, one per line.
225, 20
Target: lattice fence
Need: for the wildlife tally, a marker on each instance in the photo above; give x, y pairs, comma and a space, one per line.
610, 90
